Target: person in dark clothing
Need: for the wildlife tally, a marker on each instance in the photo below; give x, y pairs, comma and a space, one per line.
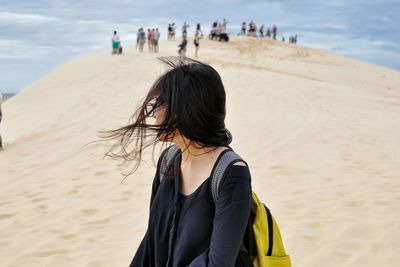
268, 34
182, 47
274, 31
186, 227
169, 31
243, 32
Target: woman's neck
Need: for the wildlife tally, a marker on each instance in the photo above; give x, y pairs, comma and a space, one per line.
193, 154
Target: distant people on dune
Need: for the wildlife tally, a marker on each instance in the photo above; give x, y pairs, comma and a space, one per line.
218, 32
116, 44
1, 116
171, 31
270, 33
293, 39
197, 36
153, 37
252, 29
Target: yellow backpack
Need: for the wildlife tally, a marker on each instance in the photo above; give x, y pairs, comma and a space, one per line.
262, 245
267, 237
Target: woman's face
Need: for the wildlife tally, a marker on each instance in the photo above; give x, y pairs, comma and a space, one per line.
159, 114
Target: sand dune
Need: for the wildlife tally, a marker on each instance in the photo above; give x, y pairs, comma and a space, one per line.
320, 132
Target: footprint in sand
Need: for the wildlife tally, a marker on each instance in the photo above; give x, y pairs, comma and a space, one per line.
89, 211
344, 255
73, 192
6, 216
310, 238
5, 243
120, 199
35, 194
104, 221
76, 178
100, 173
129, 193
42, 207
51, 252
79, 186
4, 203
47, 185
38, 199
67, 236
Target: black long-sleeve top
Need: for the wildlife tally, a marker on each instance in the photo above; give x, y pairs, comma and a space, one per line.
207, 234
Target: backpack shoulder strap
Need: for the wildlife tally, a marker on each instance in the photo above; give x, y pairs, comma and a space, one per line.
224, 163
168, 159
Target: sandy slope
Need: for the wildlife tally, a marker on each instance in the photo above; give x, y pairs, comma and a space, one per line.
321, 134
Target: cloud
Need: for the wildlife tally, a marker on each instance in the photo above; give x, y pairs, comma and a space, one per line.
18, 49
22, 18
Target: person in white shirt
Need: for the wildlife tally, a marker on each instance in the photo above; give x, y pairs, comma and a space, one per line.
173, 31
184, 29
115, 43
224, 22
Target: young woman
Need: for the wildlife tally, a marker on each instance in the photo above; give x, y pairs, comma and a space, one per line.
150, 40
185, 227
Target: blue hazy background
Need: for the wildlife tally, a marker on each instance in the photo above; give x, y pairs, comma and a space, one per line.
36, 36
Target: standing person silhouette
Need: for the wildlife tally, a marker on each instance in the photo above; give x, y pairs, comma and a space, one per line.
243, 28
184, 29
141, 39
224, 23
274, 31
197, 36
149, 40
115, 43
156, 39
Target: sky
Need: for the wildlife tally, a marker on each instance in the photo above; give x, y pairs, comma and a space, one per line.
36, 36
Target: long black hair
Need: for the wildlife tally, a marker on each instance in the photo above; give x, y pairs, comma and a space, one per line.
194, 99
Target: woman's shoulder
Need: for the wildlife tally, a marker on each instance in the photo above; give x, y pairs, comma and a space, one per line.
239, 168
167, 155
